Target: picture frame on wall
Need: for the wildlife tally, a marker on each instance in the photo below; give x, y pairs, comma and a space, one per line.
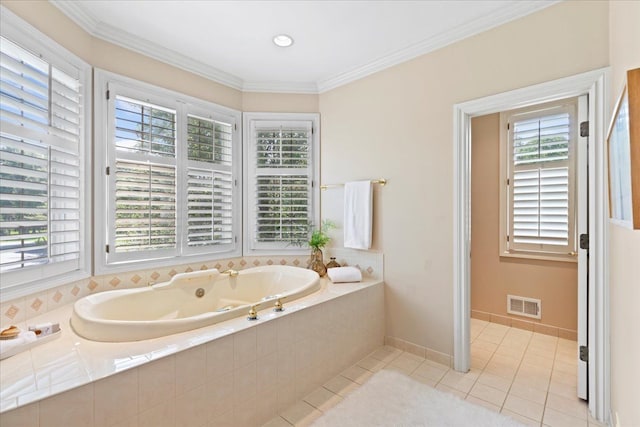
623, 150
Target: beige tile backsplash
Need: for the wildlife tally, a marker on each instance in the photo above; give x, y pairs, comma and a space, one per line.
21, 309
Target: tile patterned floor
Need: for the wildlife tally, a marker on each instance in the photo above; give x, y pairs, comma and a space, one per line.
528, 376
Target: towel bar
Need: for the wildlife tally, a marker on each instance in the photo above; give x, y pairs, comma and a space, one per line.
380, 181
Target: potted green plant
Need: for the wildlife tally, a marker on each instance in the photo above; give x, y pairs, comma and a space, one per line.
318, 239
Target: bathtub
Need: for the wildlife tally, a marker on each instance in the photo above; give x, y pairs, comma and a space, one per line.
188, 301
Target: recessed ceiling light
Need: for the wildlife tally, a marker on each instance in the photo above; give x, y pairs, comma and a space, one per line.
283, 40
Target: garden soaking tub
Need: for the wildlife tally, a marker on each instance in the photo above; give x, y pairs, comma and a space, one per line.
189, 301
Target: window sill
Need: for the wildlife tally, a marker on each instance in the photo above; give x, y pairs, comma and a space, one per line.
540, 257
16, 291
124, 267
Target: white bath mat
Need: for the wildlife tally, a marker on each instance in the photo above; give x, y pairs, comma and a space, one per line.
391, 399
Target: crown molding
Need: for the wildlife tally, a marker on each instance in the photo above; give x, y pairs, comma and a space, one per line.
514, 11
124, 39
77, 14
98, 29
281, 87
168, 56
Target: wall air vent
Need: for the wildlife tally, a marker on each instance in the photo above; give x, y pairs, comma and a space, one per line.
522, 306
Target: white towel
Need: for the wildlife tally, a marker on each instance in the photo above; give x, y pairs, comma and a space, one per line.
12, 346
344, 274
358, 214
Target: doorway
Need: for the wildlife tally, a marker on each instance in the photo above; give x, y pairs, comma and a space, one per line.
592, 84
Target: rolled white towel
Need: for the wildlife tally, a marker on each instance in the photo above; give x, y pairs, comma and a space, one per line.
344, 274
22, 339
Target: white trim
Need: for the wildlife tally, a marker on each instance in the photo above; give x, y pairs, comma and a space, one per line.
100, 129
96, 28
204, 112
248, 119
598, 310
104, 80
28, 37
624, 223
119, 37
461, 237
582, 213
508, 170
594, 83
34, 288
77, 14
156, 51
281, 87
469, 29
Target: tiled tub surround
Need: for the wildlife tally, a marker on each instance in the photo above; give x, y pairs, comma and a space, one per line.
234, 373
19, 310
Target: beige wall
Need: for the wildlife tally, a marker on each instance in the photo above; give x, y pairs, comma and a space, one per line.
624, 244
398, 124
494, 277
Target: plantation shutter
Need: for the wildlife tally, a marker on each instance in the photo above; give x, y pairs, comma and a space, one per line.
171, 174
144, 181
210, 183
40, 174
541, 178
145, 207
282, 192
282, 208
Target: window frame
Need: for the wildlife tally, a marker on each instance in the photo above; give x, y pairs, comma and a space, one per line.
249, 172
18, 283
200, 112
568, 254
104, 156
116, 89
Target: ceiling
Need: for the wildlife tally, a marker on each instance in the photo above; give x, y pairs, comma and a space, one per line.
335, 41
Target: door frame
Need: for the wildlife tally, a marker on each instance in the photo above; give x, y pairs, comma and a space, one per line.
595, 84
582, 227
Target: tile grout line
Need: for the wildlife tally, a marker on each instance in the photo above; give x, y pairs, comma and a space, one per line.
521, 360
397, 353
513, 380
546, 397
485, 366
547, 391
517, 370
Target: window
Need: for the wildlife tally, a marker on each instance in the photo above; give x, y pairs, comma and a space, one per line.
171, 175
539, 171
144, 178
43, 194
210, 184
281, 191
